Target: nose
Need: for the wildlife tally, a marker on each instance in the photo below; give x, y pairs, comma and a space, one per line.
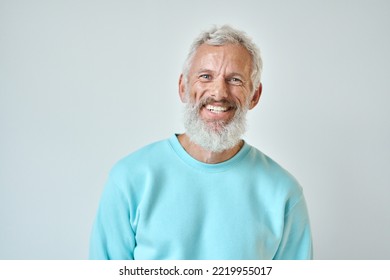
219, 89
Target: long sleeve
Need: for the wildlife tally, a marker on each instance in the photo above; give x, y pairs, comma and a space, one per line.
112, 234
296, 243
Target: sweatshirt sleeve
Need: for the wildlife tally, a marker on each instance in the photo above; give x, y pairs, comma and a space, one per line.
112, 234
296, 243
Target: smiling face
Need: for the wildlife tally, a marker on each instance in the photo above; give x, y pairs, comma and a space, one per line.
219, 90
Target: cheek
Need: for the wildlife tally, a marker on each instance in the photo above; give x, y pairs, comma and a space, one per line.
240, 96
198, 91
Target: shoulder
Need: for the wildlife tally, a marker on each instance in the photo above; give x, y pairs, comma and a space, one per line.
150, 150
143, 158
273, 173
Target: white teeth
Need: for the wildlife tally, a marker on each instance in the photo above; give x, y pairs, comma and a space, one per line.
216, 109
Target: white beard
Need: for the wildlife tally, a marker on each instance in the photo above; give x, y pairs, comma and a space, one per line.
216, 136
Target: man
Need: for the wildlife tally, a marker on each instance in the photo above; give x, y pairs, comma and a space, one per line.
205, 194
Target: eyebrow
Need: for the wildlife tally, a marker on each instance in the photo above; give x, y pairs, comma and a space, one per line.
236, 74
203, 70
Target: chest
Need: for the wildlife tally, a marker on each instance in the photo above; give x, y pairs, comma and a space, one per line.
208, 219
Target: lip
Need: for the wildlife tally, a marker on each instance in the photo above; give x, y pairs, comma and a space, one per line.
217, 112
217, 109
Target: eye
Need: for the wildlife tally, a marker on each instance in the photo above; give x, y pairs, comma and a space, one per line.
235, 81
205, 76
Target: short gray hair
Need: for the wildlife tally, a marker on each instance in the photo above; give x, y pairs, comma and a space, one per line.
219, 36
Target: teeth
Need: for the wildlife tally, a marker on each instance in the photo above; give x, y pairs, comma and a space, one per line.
216, 109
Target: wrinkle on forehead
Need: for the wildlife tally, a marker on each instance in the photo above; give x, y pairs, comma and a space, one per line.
226, 59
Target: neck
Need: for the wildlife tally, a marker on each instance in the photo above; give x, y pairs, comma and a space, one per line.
205, 156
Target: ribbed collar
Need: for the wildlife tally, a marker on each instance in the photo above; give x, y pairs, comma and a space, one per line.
207, 167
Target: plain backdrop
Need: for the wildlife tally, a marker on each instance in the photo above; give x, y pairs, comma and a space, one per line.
84, 83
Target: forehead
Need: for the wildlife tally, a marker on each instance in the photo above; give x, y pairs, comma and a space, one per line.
230, 57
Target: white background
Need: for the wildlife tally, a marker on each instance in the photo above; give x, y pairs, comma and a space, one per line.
84, 83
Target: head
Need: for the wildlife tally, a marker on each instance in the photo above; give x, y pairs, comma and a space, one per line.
219, 84
221, 36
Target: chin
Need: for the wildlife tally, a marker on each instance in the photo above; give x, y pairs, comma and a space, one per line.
214, 135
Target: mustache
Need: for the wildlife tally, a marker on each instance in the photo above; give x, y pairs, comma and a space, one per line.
225, 102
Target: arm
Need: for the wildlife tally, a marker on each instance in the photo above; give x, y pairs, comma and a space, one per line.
112, 234
296, 243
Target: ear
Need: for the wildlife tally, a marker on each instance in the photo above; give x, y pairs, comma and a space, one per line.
182, 89
256, 97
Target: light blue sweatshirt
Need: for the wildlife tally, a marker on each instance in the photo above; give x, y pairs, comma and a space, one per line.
160, 203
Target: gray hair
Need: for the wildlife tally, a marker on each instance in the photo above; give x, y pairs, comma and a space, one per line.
219, 36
